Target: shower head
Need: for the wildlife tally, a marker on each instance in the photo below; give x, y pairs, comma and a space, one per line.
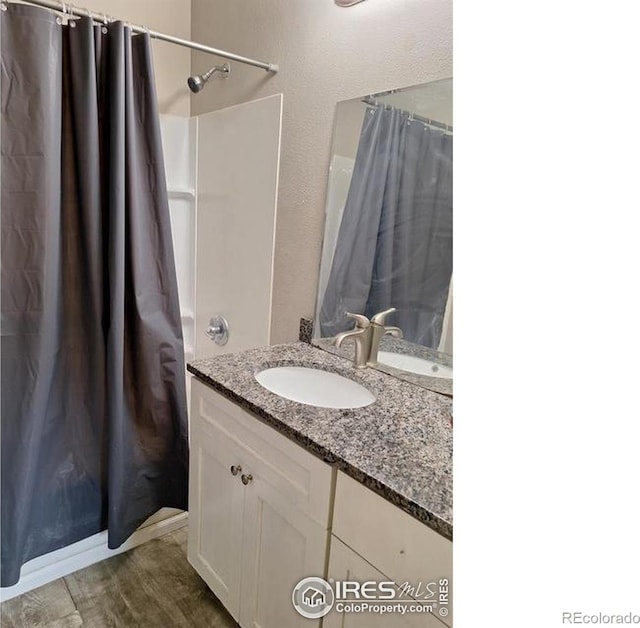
196, 82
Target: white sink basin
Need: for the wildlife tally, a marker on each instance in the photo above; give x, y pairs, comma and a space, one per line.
314, 387
415, 365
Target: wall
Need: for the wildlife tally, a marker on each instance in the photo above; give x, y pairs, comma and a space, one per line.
172, 63
326, 54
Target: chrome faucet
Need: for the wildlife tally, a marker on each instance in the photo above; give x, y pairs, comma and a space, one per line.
379, 329
361, 336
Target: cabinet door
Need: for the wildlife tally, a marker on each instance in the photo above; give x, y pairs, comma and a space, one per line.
345, 564
215, 508
400, 546
281, 546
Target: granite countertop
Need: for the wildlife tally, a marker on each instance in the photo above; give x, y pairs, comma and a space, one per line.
400, 446
403, 347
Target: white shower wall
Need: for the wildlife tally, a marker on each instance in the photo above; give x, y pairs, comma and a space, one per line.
222, 176
179, 143
238, 165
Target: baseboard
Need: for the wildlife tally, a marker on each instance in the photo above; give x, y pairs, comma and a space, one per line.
66, 560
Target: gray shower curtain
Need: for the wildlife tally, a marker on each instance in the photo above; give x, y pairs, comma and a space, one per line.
94, 425
394, 247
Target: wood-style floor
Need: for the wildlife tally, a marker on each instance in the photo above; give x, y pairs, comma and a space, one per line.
150, 586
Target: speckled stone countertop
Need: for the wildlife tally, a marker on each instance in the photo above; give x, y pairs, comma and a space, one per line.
404, 347
400, 446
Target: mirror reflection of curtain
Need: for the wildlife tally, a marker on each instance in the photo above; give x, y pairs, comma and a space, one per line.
394, 248
94, 417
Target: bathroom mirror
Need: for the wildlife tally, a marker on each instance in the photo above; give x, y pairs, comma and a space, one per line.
388, 233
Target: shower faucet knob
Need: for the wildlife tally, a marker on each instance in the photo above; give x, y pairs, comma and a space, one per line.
218, 330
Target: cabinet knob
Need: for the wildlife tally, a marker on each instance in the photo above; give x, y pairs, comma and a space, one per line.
235, 469
246, 478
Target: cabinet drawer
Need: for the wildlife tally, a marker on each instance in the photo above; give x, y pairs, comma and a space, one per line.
345, 564
297, 474
401, 547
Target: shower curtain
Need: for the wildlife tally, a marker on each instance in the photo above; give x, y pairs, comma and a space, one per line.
394, 247
94, 425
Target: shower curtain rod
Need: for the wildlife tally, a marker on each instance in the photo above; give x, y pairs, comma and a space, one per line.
370, 101
71, 10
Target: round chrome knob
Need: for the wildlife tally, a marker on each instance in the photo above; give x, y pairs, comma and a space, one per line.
246, 478
235, 469
218, 329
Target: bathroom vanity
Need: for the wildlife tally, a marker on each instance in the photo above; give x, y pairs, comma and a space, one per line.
280, 490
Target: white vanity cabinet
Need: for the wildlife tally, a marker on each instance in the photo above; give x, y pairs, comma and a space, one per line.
374, 540
264, 513
258, 512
